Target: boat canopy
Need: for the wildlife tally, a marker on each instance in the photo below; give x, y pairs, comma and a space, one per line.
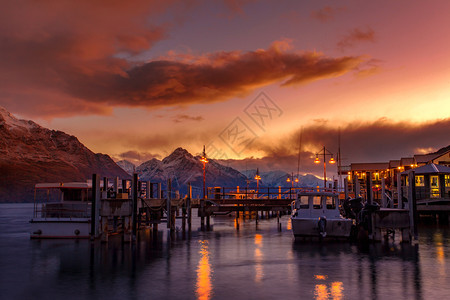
67, 185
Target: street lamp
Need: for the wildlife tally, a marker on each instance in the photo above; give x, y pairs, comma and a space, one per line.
204, 160
292, 180
324, 152
258, 178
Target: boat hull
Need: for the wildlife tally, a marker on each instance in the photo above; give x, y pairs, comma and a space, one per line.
309, 227
59, 228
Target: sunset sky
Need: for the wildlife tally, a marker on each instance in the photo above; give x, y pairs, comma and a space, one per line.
137, 79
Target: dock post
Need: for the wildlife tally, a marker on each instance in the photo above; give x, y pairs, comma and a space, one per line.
189, 209
346, 188
151, 190
147, 189
412, 205
169, 204
399, 191
369, 197
124, 185
95, 208
383, 193
135, 206
202, 214
116, 185
158, 191
357, 187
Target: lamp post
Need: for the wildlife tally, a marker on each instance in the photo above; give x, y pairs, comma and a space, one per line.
258, 178
292, 180
204, 160
324, 152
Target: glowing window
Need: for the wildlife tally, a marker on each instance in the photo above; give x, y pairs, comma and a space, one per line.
420, 181
317, 202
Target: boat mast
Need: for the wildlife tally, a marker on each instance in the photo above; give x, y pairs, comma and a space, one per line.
299, 154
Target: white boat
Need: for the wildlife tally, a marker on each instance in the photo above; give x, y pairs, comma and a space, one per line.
316, 214
68, 217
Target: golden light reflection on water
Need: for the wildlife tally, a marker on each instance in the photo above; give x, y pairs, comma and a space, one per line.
259, 271
321, 290
440, 252
204, 285
337, 290
289, 225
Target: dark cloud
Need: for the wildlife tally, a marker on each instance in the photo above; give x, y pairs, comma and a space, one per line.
69, 58
378, 141
326, 13
136, 156
356, 36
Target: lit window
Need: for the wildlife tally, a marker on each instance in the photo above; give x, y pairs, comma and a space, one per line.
420, 181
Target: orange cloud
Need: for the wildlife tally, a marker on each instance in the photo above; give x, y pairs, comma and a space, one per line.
69, 58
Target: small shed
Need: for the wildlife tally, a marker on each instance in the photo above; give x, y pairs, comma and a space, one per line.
432, 182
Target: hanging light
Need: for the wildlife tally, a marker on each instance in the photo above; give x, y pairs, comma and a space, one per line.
317, 160
332, 161
288, 179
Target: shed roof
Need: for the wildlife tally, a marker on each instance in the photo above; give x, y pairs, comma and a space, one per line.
369, 166
430, 169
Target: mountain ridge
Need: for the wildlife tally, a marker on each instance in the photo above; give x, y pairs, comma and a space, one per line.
30, 154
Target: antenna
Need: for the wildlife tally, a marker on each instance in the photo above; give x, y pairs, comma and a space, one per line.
299, 151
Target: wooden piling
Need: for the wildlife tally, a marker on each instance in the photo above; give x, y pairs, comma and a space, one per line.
95, 207
346, 188
399, 191
412, 205
189, 208
135, 206
169, 204
383, 193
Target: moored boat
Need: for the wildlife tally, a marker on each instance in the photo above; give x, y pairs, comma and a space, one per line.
316, 214
65, 213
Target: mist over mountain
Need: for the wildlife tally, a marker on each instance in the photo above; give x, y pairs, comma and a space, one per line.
31, 154
279, 178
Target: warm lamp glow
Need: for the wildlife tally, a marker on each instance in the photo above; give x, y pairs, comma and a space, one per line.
288, 180
296, 179
332, 161
316, 161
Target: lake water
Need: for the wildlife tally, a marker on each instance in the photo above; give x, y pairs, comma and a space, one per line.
256, 262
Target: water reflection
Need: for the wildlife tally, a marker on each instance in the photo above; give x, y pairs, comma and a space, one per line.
204, 285
440, 253
321, 291
259, 271
344, 271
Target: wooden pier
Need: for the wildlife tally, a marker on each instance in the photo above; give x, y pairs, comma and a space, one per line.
146, 205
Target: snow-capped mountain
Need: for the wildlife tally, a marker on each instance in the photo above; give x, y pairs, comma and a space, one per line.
182, 167
31, 154
127, 166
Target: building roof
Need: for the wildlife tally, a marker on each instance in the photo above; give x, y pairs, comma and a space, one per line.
394, 163
406, 161
369, 166
424, 158
430, 169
